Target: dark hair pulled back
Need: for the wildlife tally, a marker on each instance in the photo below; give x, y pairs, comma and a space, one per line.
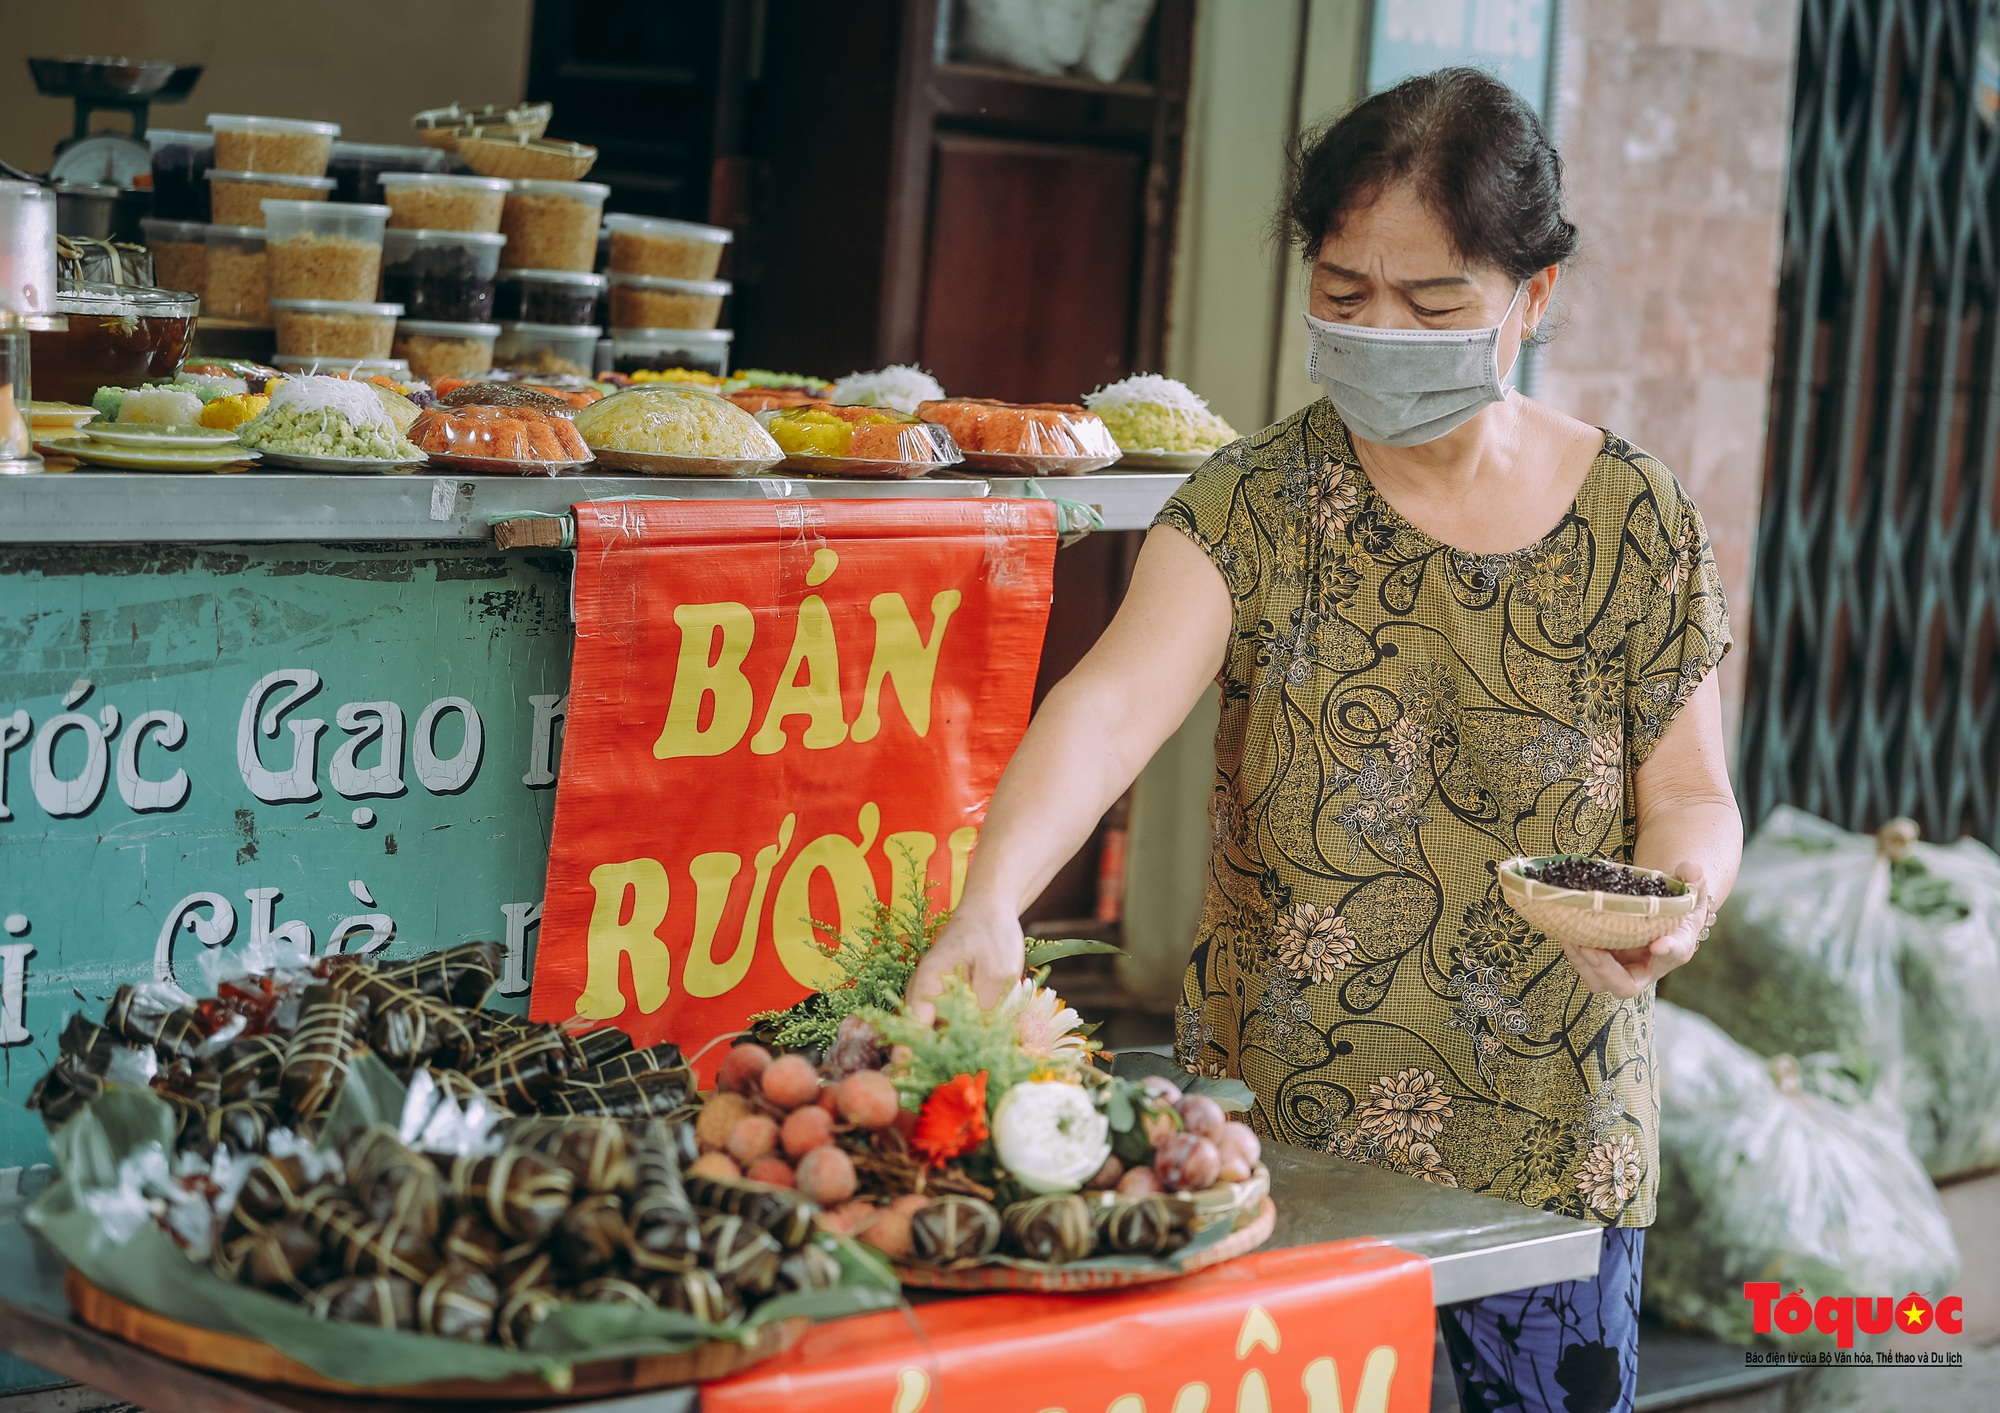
1472, 149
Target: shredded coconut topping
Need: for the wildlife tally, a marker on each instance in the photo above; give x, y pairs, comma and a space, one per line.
1147, 388
900, 386
356, 401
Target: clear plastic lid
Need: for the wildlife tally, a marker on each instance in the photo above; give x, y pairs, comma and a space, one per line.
426, 158
338, 306
156, 138
522, 329
401, 237
216, 174
581, 278
161, 229
441, 329
664, 228
284, 219
706, 339
225, 234
237, 122
590, 193
827, 439
668, 284
450, 180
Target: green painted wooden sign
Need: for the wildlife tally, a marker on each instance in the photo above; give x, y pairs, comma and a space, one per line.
350, 745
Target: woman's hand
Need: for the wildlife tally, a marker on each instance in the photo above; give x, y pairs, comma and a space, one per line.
1628, 971
983, 945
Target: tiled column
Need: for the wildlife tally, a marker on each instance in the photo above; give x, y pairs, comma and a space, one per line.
1674, 119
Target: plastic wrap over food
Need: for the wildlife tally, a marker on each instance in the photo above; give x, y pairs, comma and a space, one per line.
484, 436
1764, 1179
672, 429
1803, 955
823, 439
1946, 905
1024, 439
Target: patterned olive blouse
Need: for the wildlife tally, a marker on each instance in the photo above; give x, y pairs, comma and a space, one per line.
1398, 717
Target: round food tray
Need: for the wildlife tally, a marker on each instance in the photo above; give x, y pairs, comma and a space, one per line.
242, 1357
1254, 1231
1612, 921
500, 465
861, 468
656, 464
1162, 460
343, 465
996, 463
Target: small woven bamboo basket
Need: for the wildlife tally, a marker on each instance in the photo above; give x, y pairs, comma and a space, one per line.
443, 127
1612, 921
531, 158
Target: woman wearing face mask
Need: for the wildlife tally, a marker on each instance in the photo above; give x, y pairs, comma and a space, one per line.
1451, 625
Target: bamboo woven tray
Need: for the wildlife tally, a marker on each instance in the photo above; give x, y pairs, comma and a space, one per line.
1070, 1279
245, 1358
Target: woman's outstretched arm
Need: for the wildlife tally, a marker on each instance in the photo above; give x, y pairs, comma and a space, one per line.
1094, 734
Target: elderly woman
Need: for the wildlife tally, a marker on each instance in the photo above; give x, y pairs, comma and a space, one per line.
1451, 625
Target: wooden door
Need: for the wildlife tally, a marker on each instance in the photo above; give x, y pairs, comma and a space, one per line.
1029, 288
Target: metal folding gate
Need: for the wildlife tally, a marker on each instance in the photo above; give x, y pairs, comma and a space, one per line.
1876, 609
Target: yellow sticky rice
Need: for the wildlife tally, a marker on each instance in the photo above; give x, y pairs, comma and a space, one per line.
671, 420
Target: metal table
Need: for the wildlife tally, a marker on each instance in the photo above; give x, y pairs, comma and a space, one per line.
1476, 1246
250, 507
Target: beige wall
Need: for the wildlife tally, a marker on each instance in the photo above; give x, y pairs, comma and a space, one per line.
1234, 333
1675, 122
365, 64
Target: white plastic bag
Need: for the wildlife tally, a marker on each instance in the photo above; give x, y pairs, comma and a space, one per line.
1946, 905
1803, 956
1764, 1180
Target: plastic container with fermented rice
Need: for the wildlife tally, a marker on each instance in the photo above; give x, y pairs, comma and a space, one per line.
653, 245
357, 167
656, 350
236, 279
548, 296
324, 249
444, 275
553, 225
436, 201
436, 349
180, 163
298, 146
180, 253
657, 302
336, 327
237, 198
566, 349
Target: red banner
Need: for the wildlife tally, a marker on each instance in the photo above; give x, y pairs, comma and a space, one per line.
1341, 1328
777, 709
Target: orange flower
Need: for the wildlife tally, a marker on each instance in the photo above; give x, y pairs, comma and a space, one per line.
952, 1121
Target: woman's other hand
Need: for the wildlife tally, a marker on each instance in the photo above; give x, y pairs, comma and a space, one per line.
1625, 972
984, 946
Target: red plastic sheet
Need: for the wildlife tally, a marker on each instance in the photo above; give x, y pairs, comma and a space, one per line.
1340, 1328
777, 709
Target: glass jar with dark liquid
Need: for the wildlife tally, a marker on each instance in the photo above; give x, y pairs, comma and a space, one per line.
118, 335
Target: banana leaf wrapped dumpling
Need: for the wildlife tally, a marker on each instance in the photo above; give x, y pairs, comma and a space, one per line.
458, 1302
954, 1228
1056, 1229
389, 1302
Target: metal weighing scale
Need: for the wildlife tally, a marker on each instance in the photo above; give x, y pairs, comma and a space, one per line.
97, 175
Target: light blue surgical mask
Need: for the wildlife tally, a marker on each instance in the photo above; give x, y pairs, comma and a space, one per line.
1404, 387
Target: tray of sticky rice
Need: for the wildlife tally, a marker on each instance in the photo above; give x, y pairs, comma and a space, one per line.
323, 423
673, 429
824, 439
1024, 439
1160, 424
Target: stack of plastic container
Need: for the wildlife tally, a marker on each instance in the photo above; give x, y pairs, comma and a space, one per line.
665, 301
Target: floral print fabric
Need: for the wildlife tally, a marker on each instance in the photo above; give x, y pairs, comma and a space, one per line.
1398, 717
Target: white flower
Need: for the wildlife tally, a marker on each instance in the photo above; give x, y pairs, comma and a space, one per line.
1050, 1136
1047, 1027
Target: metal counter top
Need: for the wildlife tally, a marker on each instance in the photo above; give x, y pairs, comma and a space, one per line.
250, 507
1476, 1246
